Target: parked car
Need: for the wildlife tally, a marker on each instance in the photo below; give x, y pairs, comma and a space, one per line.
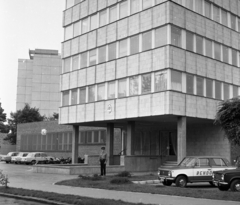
17, 159
227, 179
193, 169
7, 158
34, 158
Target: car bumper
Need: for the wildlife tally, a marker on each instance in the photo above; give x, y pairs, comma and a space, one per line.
165, 178
220, 183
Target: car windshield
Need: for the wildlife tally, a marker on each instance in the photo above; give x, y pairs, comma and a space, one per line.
9, 154
25, 154
187, 162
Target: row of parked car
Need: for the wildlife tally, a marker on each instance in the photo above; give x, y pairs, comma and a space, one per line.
33, 158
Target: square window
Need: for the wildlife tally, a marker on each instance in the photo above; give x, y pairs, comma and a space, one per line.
189, 4
134, 44
68, 32
82, 137
122, 88
234, 57
160, 81
146, 83
96, 137
235, 91
209, 88
111, 90
76, 29
102, 54
92, 57
200, 86
208, 46
199, 6
208, 12
216, 14
190, 41
217, 51
225, 54
160, 36
123, 48
224, 18
135, 6
84, 58
74, 97
226, 91
218, 90
75, 62
176, 80
65, 96
233, 21
66, 65
147, 4
112, 51
112, 14
123, 9
190, 84
101, 91
133, 85
146, 41
82, 95
176, 36
91, 93
89, 137
103, 18
199, 45
93, 22
84, 25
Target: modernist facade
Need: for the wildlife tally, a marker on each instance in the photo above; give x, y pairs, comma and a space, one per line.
157, 69
38, 81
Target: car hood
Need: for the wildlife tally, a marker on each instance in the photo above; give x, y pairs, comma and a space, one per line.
174, 168
237, 169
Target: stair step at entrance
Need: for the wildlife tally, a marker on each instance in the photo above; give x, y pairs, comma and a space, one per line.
169, 164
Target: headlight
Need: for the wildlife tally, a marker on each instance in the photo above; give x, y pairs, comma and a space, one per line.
222, 177
158, 172
170, 173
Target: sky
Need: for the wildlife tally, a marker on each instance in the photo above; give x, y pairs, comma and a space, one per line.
24, 25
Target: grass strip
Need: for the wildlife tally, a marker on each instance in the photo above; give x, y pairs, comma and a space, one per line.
62, 198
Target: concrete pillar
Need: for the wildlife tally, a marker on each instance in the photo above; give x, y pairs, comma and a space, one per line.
181, 138
75, 144
109, 143
130, 137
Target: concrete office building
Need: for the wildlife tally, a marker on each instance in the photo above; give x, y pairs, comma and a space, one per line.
38, 81
157, 69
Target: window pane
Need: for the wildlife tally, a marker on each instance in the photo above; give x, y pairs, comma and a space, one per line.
133, 85
93, 22
147, 4
75, 62
160, 81
111, 90
238, 24
74, 97
217, 51
122, 88
200, 86
234, 57
218, 90
176, 36
92, 57
101, 91
147, 41
190, 84
84, 60
216, 13
91, 93
233, 21
208, 9
89, 137
82, 95
84, 25
65, 99
161, 36
134, 44
208, 48
95, 137
68, 32
189, 4
83, 137
112, 51
226, 91
176, 80
199, 44
112, 14
123, 9
225, 54
199, 7
235, 91
103, 18
134, 6
76, 29
224, 18
102, 54
67, 65
146, 83
209, 88
123, 48
103, 136
189, 41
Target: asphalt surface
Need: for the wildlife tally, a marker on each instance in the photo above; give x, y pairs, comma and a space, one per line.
21, 176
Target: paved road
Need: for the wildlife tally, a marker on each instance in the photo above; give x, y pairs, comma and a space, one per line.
21, 176
11, 201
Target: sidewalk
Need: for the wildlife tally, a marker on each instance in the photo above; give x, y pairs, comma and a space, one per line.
45, 182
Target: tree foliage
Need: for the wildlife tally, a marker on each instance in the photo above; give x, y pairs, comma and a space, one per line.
228, 117
27, 114
3, 118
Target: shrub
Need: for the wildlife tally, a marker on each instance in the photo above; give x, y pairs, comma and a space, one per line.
124, 174
120, 180
94, 177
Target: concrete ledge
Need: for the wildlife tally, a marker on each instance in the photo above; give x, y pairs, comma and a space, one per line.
75, 169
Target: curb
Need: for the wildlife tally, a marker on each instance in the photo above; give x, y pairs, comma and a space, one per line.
28, 198
147, 182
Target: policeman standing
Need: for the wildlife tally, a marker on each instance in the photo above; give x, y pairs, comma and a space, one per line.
103, 161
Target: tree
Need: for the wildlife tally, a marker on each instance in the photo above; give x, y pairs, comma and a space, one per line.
228, 117
27, 114
3, 118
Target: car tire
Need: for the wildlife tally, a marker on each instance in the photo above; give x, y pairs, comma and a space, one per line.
181, 181
167, 183
235, 185
223, 188
33, 162
7, 162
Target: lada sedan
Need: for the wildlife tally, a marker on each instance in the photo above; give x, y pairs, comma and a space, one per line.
17, 159
34, 158
7, 158
193, 169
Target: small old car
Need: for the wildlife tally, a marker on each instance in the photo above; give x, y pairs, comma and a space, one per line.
227, 179
17, 159
8, 158
34, 158
193, 169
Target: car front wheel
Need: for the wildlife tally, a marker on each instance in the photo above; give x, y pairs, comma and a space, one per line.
223, 188
33, 162
167, 183
235, 185
181, 181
